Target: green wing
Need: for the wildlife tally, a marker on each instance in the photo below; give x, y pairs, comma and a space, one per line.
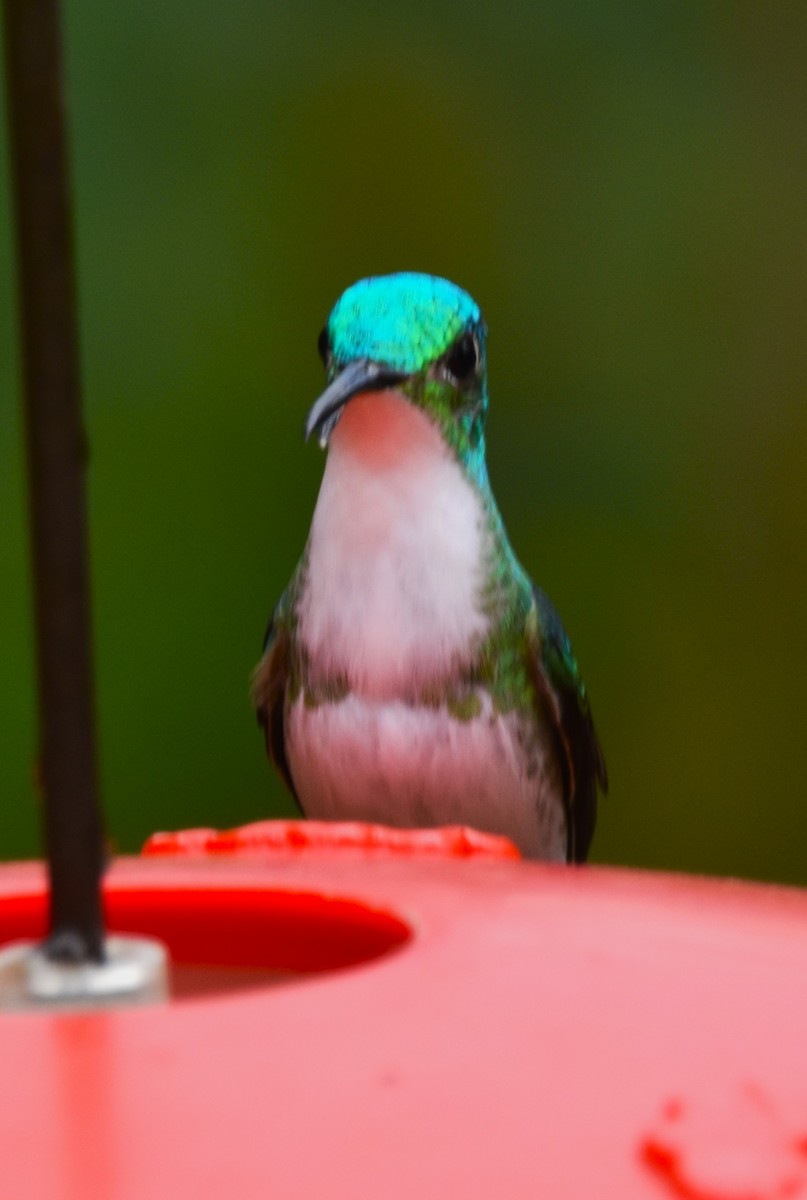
269, 685
556, 679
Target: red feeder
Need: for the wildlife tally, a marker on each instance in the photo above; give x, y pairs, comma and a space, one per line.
388, 1023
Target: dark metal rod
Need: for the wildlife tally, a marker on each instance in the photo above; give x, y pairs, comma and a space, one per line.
57, 455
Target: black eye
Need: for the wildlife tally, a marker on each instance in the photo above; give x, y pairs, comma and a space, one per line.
322, 345
463, 358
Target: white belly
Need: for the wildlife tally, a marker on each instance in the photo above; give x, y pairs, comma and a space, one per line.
392, 607
397, 764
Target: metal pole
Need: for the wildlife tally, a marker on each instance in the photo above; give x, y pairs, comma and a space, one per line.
57, 456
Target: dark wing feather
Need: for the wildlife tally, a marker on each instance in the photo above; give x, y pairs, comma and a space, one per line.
269, 694
556, 679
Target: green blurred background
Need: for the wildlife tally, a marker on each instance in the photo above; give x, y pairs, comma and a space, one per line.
622, 186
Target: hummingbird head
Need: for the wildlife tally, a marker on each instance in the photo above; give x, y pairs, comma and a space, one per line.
420, 335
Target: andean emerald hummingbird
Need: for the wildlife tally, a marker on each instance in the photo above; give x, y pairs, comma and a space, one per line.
412, 674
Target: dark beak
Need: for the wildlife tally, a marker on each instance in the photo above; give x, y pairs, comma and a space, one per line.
360, 376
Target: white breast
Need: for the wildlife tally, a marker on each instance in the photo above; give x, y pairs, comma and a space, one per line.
392, 601
360, 759
395, 555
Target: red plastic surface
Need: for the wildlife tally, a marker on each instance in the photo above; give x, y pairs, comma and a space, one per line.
450, 841
546, 1032
260, 927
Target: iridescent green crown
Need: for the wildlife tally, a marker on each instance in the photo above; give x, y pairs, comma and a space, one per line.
405, 320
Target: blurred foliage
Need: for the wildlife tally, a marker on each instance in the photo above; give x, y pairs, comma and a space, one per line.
622, 185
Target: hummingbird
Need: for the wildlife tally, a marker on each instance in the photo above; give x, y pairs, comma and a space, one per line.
412, 674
